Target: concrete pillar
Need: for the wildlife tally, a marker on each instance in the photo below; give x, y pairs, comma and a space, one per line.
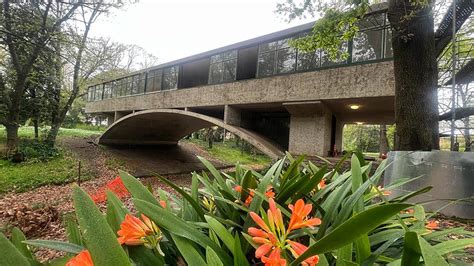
339, 134
232, 115
310, 128
110, 118
119, 114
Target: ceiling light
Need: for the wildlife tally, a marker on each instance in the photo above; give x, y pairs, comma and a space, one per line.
359, 123
354, 106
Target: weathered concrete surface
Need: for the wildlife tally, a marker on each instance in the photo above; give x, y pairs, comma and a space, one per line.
357, 81
310, 128
168, 126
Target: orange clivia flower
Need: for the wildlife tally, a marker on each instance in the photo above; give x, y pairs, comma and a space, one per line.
432, 225
238, 188
297, 249
163, 204
274, 259
322, 184
135, 232
269, 193
299, 216
384, 192
272, 234
82, 259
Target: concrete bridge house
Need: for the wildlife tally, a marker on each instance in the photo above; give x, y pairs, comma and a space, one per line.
274, 96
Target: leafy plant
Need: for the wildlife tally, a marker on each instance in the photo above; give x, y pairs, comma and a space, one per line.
294, 212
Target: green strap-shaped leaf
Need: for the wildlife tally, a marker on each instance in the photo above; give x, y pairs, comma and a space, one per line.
453, 245
344, 255
10, 255
72, 230
56, 245
352, 229
411, 250
185, 195
221, 232
239, 256
188, 251
430, 255
143, 256
18, 239
116, 211
136, 188
176, 226
98, 236
212, 259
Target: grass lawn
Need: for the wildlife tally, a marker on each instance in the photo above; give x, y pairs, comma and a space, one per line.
230, 153
28, 132
31, 174
26, 176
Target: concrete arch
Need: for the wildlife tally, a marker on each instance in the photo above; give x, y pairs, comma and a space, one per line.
168, 126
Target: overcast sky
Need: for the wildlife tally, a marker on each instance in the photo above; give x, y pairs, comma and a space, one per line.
172, 29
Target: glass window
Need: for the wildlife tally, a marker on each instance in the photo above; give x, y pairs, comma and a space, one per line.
141, 83
307, 61
223, 67
135, 84
367, 45
276, 57
107, 91
170, 78
154, 80
326, 61
98, 92
266, 64
89, 94
388, 44
286, 60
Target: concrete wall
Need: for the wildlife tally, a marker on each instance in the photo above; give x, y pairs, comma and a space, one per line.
357, 81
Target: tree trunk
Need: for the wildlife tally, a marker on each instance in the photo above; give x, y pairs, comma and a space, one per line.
383, 144
467, 135
35, 125
12, 138
415, 67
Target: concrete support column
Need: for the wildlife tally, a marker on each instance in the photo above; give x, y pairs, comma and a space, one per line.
110, 118
232, 115
119, 114
339, 135
310, 128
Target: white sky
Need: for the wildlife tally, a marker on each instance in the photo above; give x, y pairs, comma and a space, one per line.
172, 29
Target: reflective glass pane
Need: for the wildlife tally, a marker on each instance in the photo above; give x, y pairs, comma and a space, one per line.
283, 43
307, 61
388, 44
267, 47
286, 60
230, 55
215, 73
266, 64
372, 22
170, 78
367, 45
230, 68
326, 61
216, 58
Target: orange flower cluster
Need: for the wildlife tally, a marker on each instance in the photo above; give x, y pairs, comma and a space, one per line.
272, 235
82, 259
432, 225
135, 232
269, 194
116, 186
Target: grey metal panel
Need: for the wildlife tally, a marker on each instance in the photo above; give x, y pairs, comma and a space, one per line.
450, 173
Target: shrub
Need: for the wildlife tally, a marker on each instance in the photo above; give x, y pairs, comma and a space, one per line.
35, 150
294, 212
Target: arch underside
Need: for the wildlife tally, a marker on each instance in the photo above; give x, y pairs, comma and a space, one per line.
168, 126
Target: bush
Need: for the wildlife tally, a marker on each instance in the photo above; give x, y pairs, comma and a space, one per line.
35, 150
293, 212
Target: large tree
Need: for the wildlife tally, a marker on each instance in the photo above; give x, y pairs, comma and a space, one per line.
415, 67
27, 29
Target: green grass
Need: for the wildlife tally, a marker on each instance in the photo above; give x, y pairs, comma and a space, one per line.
26, 176
28, 132
230, 153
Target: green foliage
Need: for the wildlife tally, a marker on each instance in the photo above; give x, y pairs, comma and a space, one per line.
208, 224
35, 150
365, 138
